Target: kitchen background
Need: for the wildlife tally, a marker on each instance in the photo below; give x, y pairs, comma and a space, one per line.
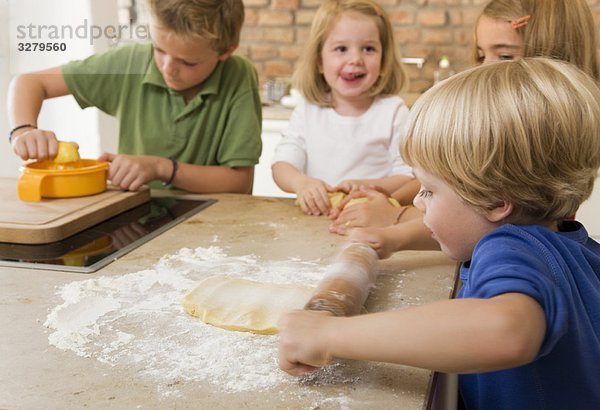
275, 31
272, 39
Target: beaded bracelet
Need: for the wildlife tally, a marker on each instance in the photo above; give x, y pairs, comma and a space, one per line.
401, 213
10, 134
175, 167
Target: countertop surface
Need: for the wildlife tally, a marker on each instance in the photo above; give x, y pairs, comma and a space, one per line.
118, 338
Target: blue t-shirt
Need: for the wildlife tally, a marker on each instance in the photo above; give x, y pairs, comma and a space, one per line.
561, 271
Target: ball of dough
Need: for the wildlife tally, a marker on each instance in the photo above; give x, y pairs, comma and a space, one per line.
336, 197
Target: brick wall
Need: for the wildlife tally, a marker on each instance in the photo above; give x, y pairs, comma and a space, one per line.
276, 29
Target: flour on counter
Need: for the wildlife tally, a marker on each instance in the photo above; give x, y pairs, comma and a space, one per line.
136, 321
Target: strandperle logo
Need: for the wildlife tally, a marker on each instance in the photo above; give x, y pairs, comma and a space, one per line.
28, 33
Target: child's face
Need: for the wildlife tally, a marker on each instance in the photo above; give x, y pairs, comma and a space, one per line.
183, 62
497, 40
351, 57
454, 224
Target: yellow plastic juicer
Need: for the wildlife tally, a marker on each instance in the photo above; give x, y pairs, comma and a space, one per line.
62, 177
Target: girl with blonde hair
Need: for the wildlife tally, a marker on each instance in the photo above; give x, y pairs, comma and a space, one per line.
560, 29
346, 130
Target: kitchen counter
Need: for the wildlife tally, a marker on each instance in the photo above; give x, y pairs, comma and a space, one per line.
36, 374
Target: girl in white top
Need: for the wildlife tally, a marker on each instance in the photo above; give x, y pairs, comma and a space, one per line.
347, 129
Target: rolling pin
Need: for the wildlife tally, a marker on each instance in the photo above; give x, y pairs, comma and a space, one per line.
346, 284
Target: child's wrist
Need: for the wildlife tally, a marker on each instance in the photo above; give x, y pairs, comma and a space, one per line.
329, 338
299, 182
401, 212
397, 238
18, 130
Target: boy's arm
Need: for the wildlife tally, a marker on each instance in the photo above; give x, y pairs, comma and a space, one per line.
215, 179
311, 192
409, 234
454, 336
26, 94
132, 171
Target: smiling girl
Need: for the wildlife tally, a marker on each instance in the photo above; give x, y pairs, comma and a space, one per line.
347, 129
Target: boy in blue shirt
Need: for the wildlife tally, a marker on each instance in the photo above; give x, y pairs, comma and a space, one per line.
504, 153
189, 111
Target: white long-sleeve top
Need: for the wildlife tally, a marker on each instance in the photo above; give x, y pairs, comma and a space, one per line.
326, 145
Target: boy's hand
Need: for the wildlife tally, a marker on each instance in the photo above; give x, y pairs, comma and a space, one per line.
380, 239
313, 196
33, 143
130, 172
301, 344
376, 212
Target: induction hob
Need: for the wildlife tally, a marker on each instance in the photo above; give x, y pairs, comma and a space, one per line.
97, 246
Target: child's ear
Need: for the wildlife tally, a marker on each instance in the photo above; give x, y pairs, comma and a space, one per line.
228, 53
500, 212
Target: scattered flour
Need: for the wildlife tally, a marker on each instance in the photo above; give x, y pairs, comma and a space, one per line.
136, 321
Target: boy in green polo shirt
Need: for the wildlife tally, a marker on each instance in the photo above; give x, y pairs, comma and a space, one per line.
189, 112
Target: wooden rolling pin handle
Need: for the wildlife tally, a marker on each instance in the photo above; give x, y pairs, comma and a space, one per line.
346, 286
337, 296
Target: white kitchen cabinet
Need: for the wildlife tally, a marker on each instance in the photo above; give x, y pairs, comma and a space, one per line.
263, 179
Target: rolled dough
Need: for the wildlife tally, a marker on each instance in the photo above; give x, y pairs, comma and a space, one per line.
244, 305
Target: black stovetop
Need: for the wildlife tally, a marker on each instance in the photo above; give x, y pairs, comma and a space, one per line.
97, 246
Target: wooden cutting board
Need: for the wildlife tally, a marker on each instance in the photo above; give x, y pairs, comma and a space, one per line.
54, 219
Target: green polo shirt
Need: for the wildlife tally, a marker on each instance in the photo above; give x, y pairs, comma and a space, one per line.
221, 125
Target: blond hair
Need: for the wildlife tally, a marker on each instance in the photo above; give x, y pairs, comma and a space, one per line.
525, 131
308, 79
218, 21
560, 29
